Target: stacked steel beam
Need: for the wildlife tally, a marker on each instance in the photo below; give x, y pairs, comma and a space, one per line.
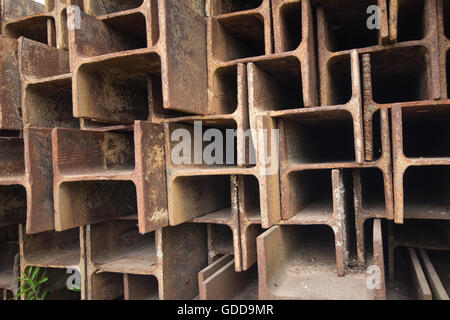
95, 92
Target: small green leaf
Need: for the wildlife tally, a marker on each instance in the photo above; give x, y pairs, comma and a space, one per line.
44, 294
42, 280
35, 273
75, 289
31, 284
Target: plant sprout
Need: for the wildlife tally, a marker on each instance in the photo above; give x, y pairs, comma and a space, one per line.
31, 285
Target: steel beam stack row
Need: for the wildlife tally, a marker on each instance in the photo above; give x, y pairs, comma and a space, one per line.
94, 95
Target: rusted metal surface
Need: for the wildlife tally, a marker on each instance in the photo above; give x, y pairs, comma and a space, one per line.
422, 34
191, 182
294, 54
217, 195
300, 154
102, 175
373, 187
20, 8
116, 252
235, 96
304, 267
440, 261
417, 233
9, 254
213, 267
437, 289
46, 84
378, 260
420, 283
235, 35
10, 108
100, 105
183, 182
421, 160
107, 89
220, 222
46, 102
443, 16
140, 287
12, 10
55, 252
338, 20
26, 180
416, 277
46, 24
220, 281
209, 199
417, 85
12, 182
312, 199
247, 32
249, 218
39, 180
35, 21
347, 116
